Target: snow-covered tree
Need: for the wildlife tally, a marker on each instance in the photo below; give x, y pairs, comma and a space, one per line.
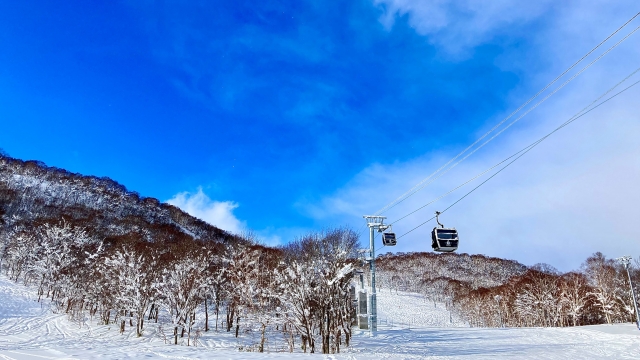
134, 278
601, 273
315, 279
184, 285
575, 294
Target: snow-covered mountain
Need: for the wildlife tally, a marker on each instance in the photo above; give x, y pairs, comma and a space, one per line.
111, 261
31, 192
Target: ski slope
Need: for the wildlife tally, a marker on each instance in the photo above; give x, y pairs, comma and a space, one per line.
410, 328
397, 309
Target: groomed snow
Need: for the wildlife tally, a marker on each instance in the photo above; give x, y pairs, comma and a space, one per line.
397, 309
411, 329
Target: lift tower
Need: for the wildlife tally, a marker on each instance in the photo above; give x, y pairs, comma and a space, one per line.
626, 261
374, 222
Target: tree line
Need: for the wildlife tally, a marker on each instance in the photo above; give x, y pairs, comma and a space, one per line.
297, 296
491, 292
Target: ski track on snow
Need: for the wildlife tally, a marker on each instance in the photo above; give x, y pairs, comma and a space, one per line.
410, 328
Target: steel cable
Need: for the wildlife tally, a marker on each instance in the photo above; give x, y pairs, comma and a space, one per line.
422, 184
528, 148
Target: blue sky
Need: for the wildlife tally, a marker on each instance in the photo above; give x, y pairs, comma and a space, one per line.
289, 116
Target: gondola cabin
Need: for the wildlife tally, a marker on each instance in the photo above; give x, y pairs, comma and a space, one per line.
444, 240
389, 239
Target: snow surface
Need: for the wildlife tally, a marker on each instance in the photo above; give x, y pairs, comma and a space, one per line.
397, 309
411, 328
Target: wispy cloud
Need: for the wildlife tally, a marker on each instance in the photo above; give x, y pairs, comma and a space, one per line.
456, 26
217, 213
220, 214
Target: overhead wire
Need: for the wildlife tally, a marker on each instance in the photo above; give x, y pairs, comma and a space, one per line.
457, 187
521, 116
362, 228
513, 122
518, 152
528, 148
422, 184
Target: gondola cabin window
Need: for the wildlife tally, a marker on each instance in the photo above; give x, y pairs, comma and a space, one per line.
444, 240
389, 239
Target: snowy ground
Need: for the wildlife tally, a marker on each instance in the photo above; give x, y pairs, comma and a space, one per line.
411, 329
410, 310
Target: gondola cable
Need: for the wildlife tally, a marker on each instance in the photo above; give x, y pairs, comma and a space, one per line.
510, 124
530, 147
422, 184
526, 149
573, 118
520, 117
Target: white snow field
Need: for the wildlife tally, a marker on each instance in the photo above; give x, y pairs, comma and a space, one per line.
411, 329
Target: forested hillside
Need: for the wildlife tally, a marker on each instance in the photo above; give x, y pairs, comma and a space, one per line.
33, 193
413, 271
93, 249
492, 292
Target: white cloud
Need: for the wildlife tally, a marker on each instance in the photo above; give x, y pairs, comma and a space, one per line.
217, 213
457, 25
269, 239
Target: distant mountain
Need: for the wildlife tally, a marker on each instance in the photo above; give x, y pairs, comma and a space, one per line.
441, 274
32, 193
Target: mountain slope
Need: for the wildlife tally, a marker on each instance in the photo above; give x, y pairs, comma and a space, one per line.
32, 193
